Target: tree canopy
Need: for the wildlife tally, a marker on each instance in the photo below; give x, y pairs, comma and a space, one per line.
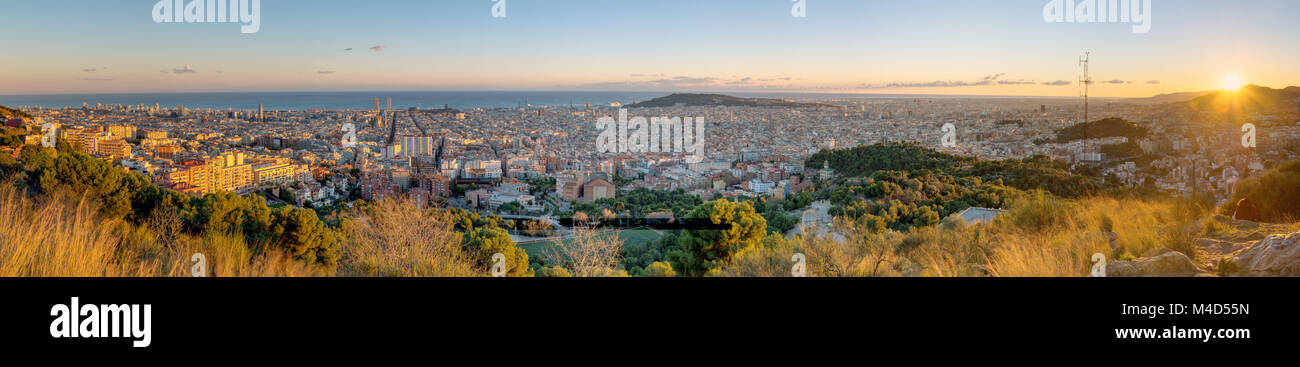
701, 250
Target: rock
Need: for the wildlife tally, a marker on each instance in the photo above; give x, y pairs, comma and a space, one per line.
1277, 255
1166, 264
1157, 252
1238, 224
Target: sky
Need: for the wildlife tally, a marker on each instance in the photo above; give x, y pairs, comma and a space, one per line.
975, 47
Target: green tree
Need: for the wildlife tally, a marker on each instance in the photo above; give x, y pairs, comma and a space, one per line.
227, 212
113, 187
925, 217
301, 233
701, 250
483, 237
777, 221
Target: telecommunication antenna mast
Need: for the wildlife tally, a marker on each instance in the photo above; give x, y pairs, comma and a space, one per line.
1085, 81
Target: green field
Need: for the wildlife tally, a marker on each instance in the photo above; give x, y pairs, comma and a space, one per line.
630, 237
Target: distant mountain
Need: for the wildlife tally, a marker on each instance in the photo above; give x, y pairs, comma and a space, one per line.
9, 113
712, 100
1247, 99
1173, 97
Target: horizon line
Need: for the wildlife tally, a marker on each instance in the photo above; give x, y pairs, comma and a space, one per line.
590, 91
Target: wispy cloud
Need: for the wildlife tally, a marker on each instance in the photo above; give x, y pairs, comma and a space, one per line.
1058, 83
325, 72
987, 80
96, 79
1116, 81
662, 81
186, 70
1153, 82
378, 48
347, 49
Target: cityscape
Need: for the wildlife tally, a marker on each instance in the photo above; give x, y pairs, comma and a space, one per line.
531, 179
1058, 143
752, 151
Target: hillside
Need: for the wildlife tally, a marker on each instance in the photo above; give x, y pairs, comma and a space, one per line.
1025, 174
1251, 98
9, 113
716, 100
904, 186
1104, 128
1180, 97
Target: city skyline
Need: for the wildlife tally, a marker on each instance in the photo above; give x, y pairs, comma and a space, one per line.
914, 47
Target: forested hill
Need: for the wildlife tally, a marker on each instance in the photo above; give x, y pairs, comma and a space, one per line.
9, 113
1025, 174
713, 100
865, 159
1104, 128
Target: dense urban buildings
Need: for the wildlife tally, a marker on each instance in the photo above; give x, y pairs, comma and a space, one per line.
484, 158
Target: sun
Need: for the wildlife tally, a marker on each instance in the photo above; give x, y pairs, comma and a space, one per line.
1232, 82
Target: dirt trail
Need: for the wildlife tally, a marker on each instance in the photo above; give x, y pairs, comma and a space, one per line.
1237, 236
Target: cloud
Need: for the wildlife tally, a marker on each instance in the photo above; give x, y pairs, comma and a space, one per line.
937, 83
1116, 81
91, 70
378, 48
1153, 82
1058, 83
684, 81
187, 70
347, 49
96, 79
662, 82
987, 80
325, 72
742, 81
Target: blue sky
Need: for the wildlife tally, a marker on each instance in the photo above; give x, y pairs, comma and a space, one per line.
81, 46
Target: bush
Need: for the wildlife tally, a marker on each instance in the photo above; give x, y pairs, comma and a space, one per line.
1276, 194
1038, 212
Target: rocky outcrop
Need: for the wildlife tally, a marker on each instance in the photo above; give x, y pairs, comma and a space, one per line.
1277, 255
1160, 263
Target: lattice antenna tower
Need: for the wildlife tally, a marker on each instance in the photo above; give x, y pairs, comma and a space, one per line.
1085, 81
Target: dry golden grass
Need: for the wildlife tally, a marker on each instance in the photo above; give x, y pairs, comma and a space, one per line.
1040, 236
772, 259
51, 238
392, 238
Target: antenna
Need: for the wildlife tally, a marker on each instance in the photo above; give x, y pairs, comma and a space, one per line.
1085, 81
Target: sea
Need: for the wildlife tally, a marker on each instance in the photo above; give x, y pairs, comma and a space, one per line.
298, 101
